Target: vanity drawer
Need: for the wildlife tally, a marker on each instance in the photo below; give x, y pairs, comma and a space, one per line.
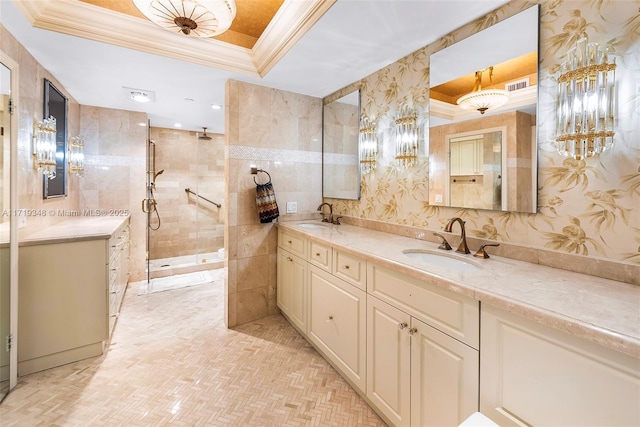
294, 244
350, 268
320, 255
454, 314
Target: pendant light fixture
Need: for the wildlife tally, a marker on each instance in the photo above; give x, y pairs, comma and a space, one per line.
193, 18
483, 99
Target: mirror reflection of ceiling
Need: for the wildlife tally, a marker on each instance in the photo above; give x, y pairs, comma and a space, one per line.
261, 34
525, 66
252, 17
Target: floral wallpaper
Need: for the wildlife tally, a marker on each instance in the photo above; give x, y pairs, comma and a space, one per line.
589, 207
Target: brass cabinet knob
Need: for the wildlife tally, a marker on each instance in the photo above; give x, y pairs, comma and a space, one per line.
402, 325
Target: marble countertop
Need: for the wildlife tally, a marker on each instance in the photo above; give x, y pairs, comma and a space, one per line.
74, 229
600, 310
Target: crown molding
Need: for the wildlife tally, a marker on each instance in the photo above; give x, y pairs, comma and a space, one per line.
291, 22
76, 18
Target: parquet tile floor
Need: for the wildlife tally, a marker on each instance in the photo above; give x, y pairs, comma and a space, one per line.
172, 362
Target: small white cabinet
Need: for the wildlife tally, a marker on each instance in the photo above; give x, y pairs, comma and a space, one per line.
291, 291
417, 375
337, 323
389, 361
292, 269
466, 157
535, 375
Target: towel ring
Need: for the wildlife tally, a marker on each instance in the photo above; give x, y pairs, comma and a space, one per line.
263, 171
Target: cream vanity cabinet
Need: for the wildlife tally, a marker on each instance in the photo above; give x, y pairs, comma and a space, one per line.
422, 350
329, 310
118, 272
535, 375
69, 293
337, 312
292, 267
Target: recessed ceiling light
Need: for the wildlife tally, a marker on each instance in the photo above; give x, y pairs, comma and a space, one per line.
178, 125
216, 106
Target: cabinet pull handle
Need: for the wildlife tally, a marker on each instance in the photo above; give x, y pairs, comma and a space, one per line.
317, 253
346, 267
329, 318
289, 258
402, 325
413, 331
290, 242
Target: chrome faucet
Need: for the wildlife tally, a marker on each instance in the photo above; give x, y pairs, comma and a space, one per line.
462, 247
324, 217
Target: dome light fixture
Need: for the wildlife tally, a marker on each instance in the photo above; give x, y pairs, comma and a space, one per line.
140, 96
480, 99
193, 18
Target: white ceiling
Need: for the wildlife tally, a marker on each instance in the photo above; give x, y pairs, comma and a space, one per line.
352, 40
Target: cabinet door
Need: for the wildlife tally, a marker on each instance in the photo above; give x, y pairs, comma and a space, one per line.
337, 323
389, 360
532, 374
444, 378
291, 287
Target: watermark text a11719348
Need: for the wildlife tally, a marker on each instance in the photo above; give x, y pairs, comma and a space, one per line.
65, 212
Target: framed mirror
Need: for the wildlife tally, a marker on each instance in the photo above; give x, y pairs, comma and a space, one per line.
340, 162
55, 104
483, 118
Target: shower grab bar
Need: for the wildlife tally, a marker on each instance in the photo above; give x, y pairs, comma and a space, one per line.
188, 190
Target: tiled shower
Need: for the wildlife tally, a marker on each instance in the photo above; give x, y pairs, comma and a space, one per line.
187, 230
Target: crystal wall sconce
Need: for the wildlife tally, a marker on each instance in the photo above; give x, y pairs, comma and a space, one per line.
586, 104
406, 129
44, 147
368, 145
76, 156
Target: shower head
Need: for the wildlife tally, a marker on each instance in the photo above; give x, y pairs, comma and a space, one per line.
156, 175
204, 136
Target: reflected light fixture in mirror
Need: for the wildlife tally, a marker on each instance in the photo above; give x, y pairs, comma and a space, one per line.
368, 145
44, 147
586, 101
76, 156
483, 99
406, 137
193, 18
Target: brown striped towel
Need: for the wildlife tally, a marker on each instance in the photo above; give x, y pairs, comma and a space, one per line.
266, 201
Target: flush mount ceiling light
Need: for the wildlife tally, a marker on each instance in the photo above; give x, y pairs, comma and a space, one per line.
480, 99
193, 18
140, 96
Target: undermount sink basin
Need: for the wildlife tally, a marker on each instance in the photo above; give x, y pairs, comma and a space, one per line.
313, 224
442, 259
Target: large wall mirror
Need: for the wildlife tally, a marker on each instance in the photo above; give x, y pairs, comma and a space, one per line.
5, 255
55, 104
340, 162
483, 150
